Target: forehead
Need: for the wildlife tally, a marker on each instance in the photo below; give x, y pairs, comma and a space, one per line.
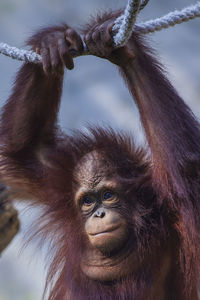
92, 169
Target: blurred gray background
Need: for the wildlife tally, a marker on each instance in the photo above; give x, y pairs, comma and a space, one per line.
93, 93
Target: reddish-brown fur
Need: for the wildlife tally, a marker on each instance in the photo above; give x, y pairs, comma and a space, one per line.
162, 190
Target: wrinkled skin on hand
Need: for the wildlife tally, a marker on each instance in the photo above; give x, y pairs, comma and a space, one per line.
56, 45
99, 41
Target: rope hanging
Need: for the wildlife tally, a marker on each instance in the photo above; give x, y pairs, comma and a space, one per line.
177, 17
123, 25
122, 28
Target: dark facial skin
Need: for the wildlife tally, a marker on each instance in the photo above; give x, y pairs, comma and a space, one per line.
106, 229
98, 198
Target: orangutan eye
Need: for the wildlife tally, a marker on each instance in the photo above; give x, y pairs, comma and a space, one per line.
87, 201
108, 195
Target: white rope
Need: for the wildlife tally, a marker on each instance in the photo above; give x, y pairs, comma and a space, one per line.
20, 54
123, 28
171, 19
123, 25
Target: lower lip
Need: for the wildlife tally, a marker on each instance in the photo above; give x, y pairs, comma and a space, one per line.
104, 232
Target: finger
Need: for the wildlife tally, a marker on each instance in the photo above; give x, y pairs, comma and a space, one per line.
92, 47
69, 63
71, 48
88, 37
46, 60
97, 42
96, 35
106, 46
108, 35
63, 49
77, 42
64, 54
91, 44
55, 57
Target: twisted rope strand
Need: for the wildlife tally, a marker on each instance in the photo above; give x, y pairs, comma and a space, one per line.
123, 22
120, 19
20, 54
171, 19
123, 26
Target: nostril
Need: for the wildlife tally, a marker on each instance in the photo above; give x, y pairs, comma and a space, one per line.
100, 214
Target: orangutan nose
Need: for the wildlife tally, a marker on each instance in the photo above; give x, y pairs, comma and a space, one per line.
100, 213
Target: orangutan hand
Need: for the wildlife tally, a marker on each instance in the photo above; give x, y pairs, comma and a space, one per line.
99, 42
57, 45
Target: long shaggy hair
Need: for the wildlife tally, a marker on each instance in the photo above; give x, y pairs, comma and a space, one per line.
162, 193
153, 221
